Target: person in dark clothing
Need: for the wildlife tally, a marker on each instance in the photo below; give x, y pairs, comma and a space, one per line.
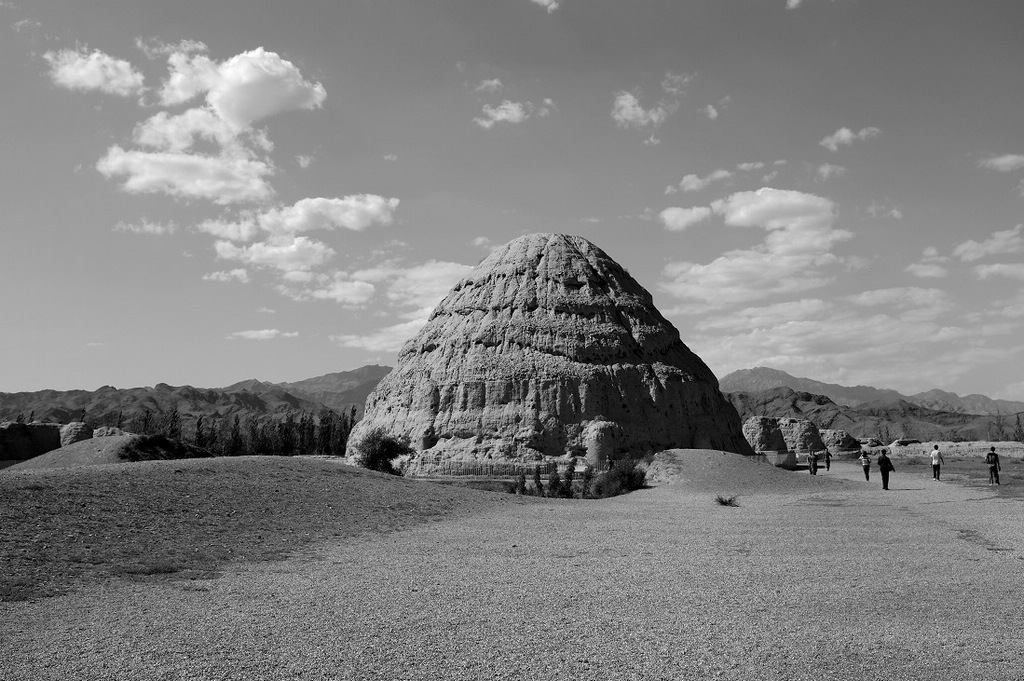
866, 463
812, 462
885, 467
992, 459
828, 459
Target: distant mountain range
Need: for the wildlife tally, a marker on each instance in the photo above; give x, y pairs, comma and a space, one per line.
864, 411
338, 392
763, 378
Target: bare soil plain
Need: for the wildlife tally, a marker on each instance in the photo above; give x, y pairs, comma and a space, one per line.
308, 569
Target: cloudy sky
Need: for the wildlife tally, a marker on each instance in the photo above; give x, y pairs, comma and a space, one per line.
203, 192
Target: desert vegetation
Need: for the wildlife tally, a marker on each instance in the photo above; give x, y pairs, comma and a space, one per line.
624, 475
299, 434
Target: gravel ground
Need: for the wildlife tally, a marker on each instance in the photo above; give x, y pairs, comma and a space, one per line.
823, 577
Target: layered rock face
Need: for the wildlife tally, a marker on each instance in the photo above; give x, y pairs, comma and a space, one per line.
838, 441
764, 435
73, 432
801, 435
549, 348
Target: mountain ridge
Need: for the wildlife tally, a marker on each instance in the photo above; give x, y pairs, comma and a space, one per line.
338, 391
765, 378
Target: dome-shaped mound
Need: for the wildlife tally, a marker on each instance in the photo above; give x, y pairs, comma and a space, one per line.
550, 348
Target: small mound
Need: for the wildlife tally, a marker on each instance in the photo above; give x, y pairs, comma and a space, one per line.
112, 449
712, 470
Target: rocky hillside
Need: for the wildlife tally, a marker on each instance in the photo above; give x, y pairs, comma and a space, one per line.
885, 421
338, 392
764, 378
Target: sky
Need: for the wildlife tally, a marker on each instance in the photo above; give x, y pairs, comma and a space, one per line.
200, 192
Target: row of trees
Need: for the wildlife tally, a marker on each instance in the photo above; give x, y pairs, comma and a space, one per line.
296, 434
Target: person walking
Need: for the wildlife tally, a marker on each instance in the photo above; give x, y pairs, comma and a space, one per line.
992, 459
828, 459
866, 463
885, 467
812, 462
936, 462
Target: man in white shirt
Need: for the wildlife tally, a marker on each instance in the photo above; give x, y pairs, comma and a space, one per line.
936, 462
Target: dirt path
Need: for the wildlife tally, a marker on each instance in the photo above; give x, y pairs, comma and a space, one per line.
838, 581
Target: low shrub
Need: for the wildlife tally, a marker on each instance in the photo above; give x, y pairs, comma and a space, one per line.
624, 476
726, 501
554, 484
378, 450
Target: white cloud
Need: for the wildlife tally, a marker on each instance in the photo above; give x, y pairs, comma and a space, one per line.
417, 286
792, 4
768, 316
838, 343
674, 83
827, 170
711, 112
652, 141
551, 5
304, 160
414, 290
146, 227
390, 157
879, 210
189, 176
178, 133
677, 219
846, 137
356, 212
627, 112
244, 89
155, 48
746, 167
1006, 241
693, 183
931, 265
927, 270
1014, 271
493, 86
76, 70
912, 302
288, 254
388, 339
1004, 164
506, 112
485, 243
244, 229
247, 88
262, 334
239, 275
513, 112
794, 256
25, 25
337, 287
189, 77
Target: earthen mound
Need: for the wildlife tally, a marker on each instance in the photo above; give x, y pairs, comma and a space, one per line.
112, 449
707, 471
549, 348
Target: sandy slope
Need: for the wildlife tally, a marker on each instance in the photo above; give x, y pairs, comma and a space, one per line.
810, 578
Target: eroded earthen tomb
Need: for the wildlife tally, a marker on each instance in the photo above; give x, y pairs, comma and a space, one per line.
549, 348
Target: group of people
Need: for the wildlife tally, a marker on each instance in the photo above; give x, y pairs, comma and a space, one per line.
885, 466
